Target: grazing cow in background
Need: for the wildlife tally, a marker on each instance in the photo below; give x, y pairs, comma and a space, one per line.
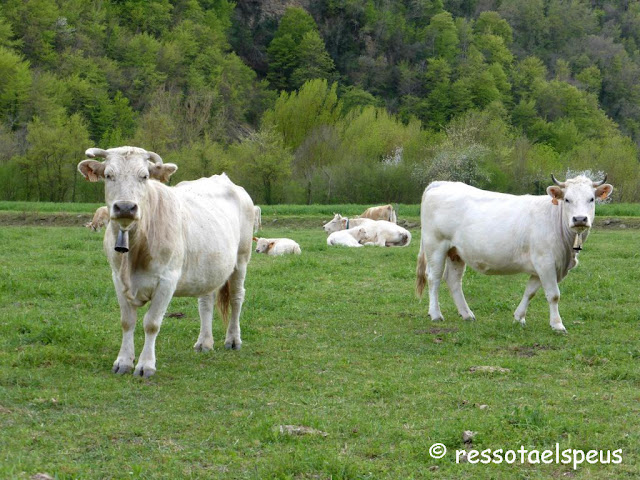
383, 212
350, 237
191, 240
100, 219
385, 234
498, 234
276, 246
257, 219
343, 223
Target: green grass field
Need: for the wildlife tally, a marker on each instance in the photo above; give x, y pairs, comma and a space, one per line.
334, 340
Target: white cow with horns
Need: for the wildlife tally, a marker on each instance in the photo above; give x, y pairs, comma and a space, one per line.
191, 240
498, 234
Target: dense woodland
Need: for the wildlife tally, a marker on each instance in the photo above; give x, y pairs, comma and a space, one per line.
322, 101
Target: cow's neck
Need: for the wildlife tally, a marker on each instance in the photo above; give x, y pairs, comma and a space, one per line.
567, 240
152, 236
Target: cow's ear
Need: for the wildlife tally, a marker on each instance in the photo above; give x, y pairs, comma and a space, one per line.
555, 193
271, 244
162, 172
344, 222
603, 191
255, 239
92, 170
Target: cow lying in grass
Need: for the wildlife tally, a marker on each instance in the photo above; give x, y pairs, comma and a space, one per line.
352, 237
276, 246
376, 232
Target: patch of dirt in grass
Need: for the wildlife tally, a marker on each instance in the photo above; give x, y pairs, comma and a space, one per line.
527, 351
35, 219
436, 331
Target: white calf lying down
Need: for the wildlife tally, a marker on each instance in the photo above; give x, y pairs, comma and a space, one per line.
100, 219
385, 234
276, 246
343, 223
347, 238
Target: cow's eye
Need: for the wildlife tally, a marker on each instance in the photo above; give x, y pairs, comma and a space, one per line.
567, 200
592, 199
144, 177
108, 176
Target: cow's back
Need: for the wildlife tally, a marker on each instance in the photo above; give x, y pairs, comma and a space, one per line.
493, 232
217, 224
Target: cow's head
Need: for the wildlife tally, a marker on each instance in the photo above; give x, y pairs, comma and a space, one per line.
336, 224
577, 197
263, 245
126, 172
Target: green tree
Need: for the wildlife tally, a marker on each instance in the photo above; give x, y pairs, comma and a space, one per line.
283, 51
294, 115
54, 150
312, 59
15, 83
441, 36
263, 163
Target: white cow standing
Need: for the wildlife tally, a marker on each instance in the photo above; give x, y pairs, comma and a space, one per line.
497, 234
191, 240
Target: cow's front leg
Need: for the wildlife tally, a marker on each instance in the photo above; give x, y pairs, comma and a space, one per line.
152, 320
549, 281
533, 285
128, 317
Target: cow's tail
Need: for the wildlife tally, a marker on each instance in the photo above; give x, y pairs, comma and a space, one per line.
421, 272
223, 302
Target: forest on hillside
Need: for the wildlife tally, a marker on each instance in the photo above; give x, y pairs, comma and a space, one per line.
322, 101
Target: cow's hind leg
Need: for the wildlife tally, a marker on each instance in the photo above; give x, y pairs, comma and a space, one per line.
436, 262
205, 309
236, 294
453, 274
533, 285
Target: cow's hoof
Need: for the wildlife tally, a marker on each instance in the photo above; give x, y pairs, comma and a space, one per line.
203, 346
233, 345
521, 321
145, 372
471, 318
437, 319
121, 367
559, 328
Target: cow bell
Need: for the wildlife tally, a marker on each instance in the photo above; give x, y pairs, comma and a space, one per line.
122, 242
577, 243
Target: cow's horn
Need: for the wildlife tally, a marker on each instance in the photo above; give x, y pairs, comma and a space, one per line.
555, 180
95, 152
597, 184
154, 157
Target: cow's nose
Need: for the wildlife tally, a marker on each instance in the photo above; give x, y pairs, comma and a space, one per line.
580, 220
125, 209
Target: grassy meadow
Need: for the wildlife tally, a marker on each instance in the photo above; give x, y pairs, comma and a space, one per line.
334, 340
